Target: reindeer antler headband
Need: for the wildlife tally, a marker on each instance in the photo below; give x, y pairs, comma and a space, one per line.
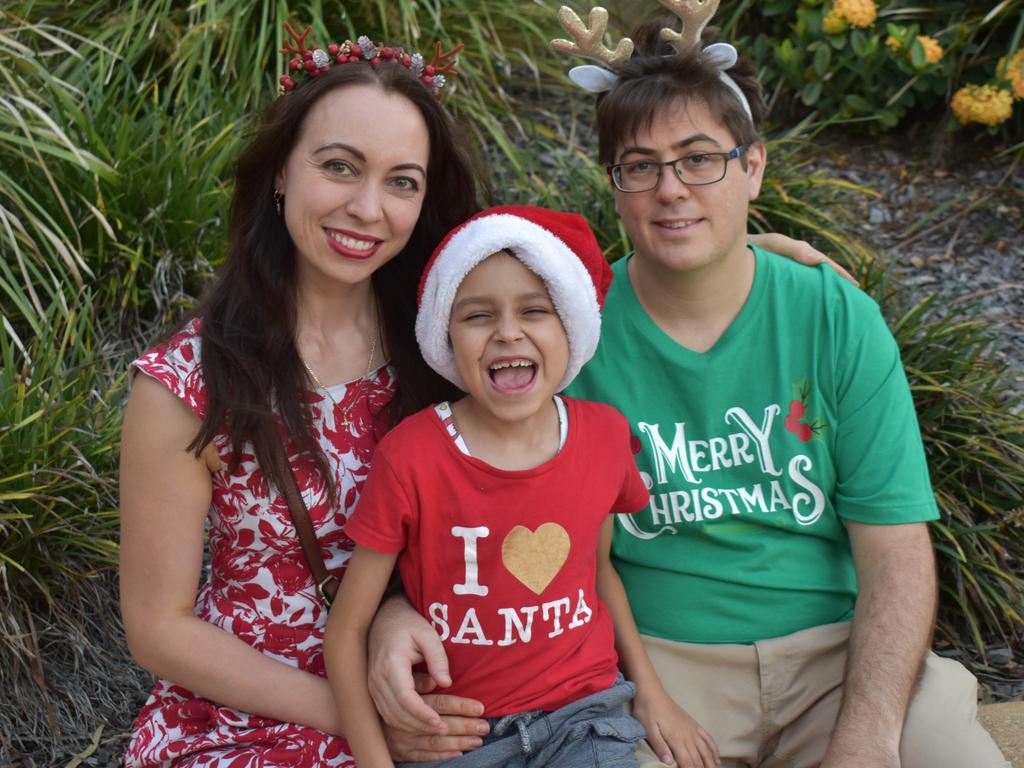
588, 41
309, 63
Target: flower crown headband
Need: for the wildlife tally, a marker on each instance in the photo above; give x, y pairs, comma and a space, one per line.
588, 41
309, 63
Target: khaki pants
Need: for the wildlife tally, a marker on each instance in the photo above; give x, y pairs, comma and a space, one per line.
774, 704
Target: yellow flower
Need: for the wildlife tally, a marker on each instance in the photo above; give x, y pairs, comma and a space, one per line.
833, 23
859, 13
932, 49
1014, 72
893, 43
985, 104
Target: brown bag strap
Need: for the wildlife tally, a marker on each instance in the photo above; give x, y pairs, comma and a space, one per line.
326, 582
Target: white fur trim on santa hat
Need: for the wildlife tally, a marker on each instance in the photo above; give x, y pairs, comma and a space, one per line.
567, 280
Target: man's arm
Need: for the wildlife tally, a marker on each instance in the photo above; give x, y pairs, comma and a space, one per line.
892, 629
418, 725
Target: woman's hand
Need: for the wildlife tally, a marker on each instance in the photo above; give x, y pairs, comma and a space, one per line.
399, 639
673, 734
798, 250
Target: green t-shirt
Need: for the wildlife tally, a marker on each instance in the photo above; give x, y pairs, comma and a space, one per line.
755, 451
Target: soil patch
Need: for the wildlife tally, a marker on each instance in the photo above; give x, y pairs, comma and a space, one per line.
1006, 724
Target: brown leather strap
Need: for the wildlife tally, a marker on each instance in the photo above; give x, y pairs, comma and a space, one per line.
326, 582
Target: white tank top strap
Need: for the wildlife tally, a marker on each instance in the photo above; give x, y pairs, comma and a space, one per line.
444, 413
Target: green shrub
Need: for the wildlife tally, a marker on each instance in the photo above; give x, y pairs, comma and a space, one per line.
852, 60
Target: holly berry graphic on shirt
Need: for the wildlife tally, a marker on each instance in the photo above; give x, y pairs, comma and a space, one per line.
804, 430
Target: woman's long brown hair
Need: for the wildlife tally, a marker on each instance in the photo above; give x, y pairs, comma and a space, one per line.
249, 358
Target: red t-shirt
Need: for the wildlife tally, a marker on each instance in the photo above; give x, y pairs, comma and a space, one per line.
503, 563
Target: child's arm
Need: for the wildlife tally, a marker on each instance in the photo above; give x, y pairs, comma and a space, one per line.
345, 653
671, 732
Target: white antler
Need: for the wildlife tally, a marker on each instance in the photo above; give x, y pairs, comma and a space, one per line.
695, 15
589, 42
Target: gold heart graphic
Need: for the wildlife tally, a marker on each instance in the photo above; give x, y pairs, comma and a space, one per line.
535, 557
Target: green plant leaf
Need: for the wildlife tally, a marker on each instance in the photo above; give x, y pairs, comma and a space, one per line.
858, 104
918, 57
811, 92
822, 59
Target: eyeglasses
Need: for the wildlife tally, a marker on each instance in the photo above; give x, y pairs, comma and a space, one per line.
694, 170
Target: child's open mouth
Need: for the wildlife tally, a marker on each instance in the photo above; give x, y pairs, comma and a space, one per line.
512, 376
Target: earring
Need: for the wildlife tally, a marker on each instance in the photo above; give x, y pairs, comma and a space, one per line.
279, 202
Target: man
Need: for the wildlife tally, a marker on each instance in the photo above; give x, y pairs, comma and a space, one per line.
782, 574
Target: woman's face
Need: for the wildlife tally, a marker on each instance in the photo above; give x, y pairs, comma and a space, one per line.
354, 183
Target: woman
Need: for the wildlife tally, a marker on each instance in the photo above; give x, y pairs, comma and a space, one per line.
349, 183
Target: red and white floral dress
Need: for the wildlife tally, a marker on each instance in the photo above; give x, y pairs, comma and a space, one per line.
259, 587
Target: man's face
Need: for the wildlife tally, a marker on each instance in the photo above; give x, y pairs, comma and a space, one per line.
683, 228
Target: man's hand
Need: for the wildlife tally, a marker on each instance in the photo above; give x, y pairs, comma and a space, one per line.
799, 251
399, 639
462, 732
851, 752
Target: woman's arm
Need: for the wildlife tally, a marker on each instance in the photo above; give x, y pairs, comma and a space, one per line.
672, 733
798, 250
165, 496
359, 595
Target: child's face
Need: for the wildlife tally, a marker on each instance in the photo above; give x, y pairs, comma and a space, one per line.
683, 228
509, 344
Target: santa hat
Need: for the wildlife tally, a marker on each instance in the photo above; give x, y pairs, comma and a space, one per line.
559, 247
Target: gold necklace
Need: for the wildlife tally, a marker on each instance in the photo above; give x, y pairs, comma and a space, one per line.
345, 423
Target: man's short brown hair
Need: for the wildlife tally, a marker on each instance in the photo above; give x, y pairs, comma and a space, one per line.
656, 76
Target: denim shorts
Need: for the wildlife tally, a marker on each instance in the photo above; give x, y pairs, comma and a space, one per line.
592, 732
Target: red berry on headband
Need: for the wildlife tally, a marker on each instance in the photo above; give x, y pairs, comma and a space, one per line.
387, 53
287, 83
427, 79
333, 49
356, 52
309, 66
429, 69
307, 55
375, 61
294, 64
342, 58
406, 60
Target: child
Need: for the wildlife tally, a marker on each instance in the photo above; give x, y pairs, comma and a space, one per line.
498, 510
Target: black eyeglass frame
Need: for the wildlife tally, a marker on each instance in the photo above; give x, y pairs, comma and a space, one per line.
613, 168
